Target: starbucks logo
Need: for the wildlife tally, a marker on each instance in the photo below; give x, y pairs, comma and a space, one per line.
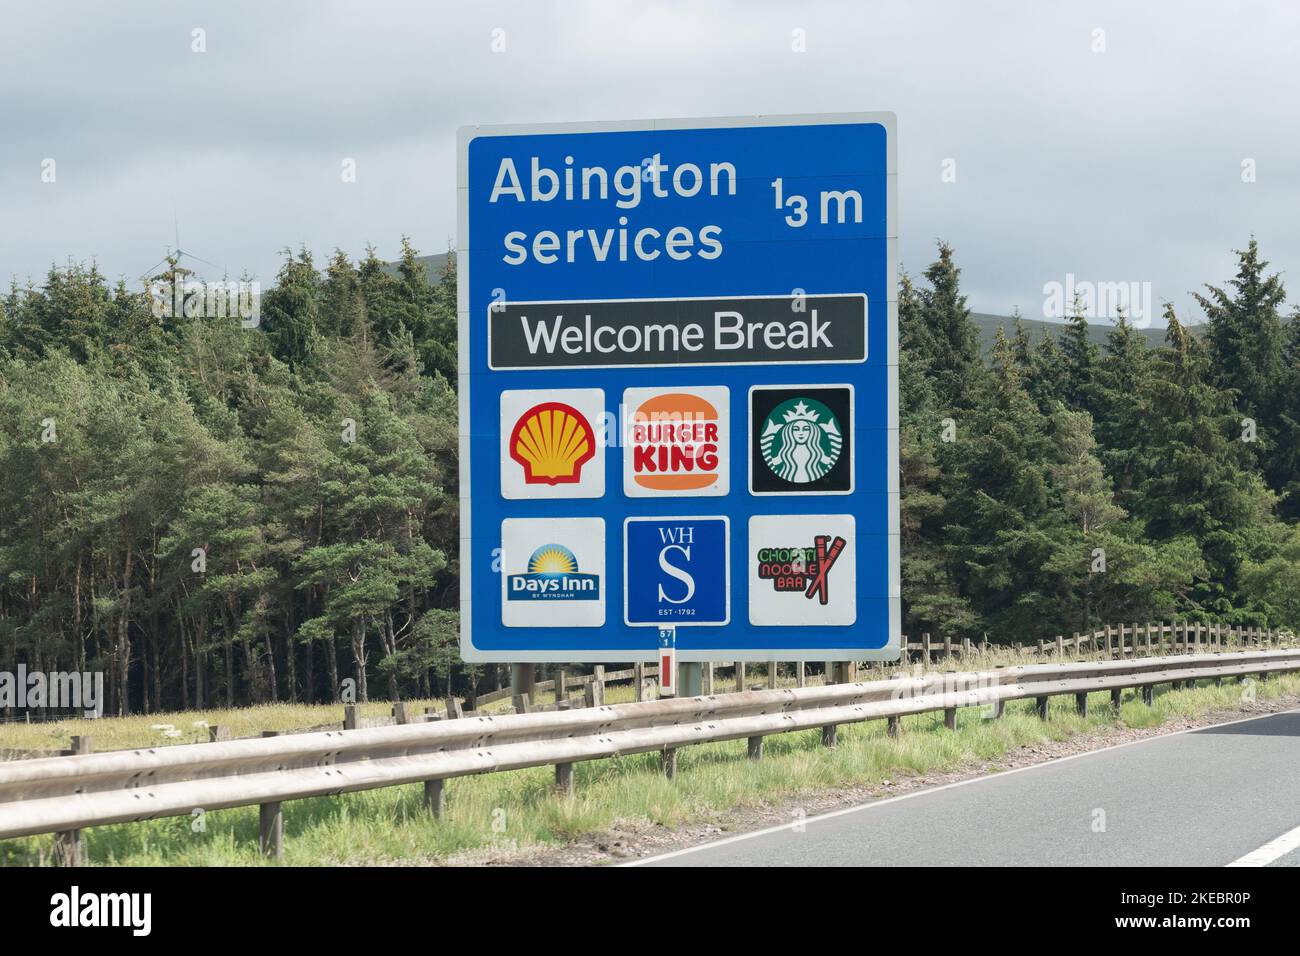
801, 440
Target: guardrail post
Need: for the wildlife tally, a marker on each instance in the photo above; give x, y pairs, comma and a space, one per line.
707, 673
349, 716
399, 713
772, 674
564, 779
755, 748
454, 710
1040, 705
1081, 704
830, 736
800, 674
67, 843
435, 797
668, 762
270, 822
1116, 696
950, 718
893, 727
1148, 694
589, 694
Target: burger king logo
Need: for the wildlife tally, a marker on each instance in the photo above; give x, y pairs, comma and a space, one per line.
677, 442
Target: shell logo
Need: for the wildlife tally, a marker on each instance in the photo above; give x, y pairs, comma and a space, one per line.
552, 441
675, 443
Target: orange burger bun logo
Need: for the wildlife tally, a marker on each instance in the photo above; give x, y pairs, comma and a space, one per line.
675, 443
552, 441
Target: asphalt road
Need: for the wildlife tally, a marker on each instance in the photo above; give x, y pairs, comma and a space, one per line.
1208, 797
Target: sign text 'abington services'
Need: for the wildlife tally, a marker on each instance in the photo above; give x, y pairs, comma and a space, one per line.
706, 331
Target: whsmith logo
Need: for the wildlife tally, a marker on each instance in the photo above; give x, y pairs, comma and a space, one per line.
553, 575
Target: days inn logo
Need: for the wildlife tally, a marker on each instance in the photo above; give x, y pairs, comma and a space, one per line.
553, 575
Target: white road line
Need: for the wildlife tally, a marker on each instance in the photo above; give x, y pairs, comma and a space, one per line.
963, 783
1272, 850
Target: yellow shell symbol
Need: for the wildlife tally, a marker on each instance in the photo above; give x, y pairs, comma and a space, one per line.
552, 442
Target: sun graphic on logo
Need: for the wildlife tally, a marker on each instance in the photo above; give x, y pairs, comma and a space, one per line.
552, 559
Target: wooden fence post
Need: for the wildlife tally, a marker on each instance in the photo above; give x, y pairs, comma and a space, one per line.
522, 704
270, 822
598, 682
1060, 646
561, 686
1109, 650
67, 843
589, 694
217, 732
947, 648
454, 709
708, 678
1148, 638
349, 716
740, 676
925, 649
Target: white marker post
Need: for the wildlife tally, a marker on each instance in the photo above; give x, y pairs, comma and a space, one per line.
667, 662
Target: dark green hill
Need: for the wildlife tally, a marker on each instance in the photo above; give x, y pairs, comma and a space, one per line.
988, 326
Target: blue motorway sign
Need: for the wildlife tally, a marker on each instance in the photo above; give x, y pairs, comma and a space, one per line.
679, 389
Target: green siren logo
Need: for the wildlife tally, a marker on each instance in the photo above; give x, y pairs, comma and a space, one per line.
553, 575
801, 440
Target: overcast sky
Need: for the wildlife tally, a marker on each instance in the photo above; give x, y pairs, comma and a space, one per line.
1122, 165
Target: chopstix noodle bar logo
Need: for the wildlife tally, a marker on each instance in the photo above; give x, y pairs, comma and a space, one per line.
802, 568
801, 440
553, 575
